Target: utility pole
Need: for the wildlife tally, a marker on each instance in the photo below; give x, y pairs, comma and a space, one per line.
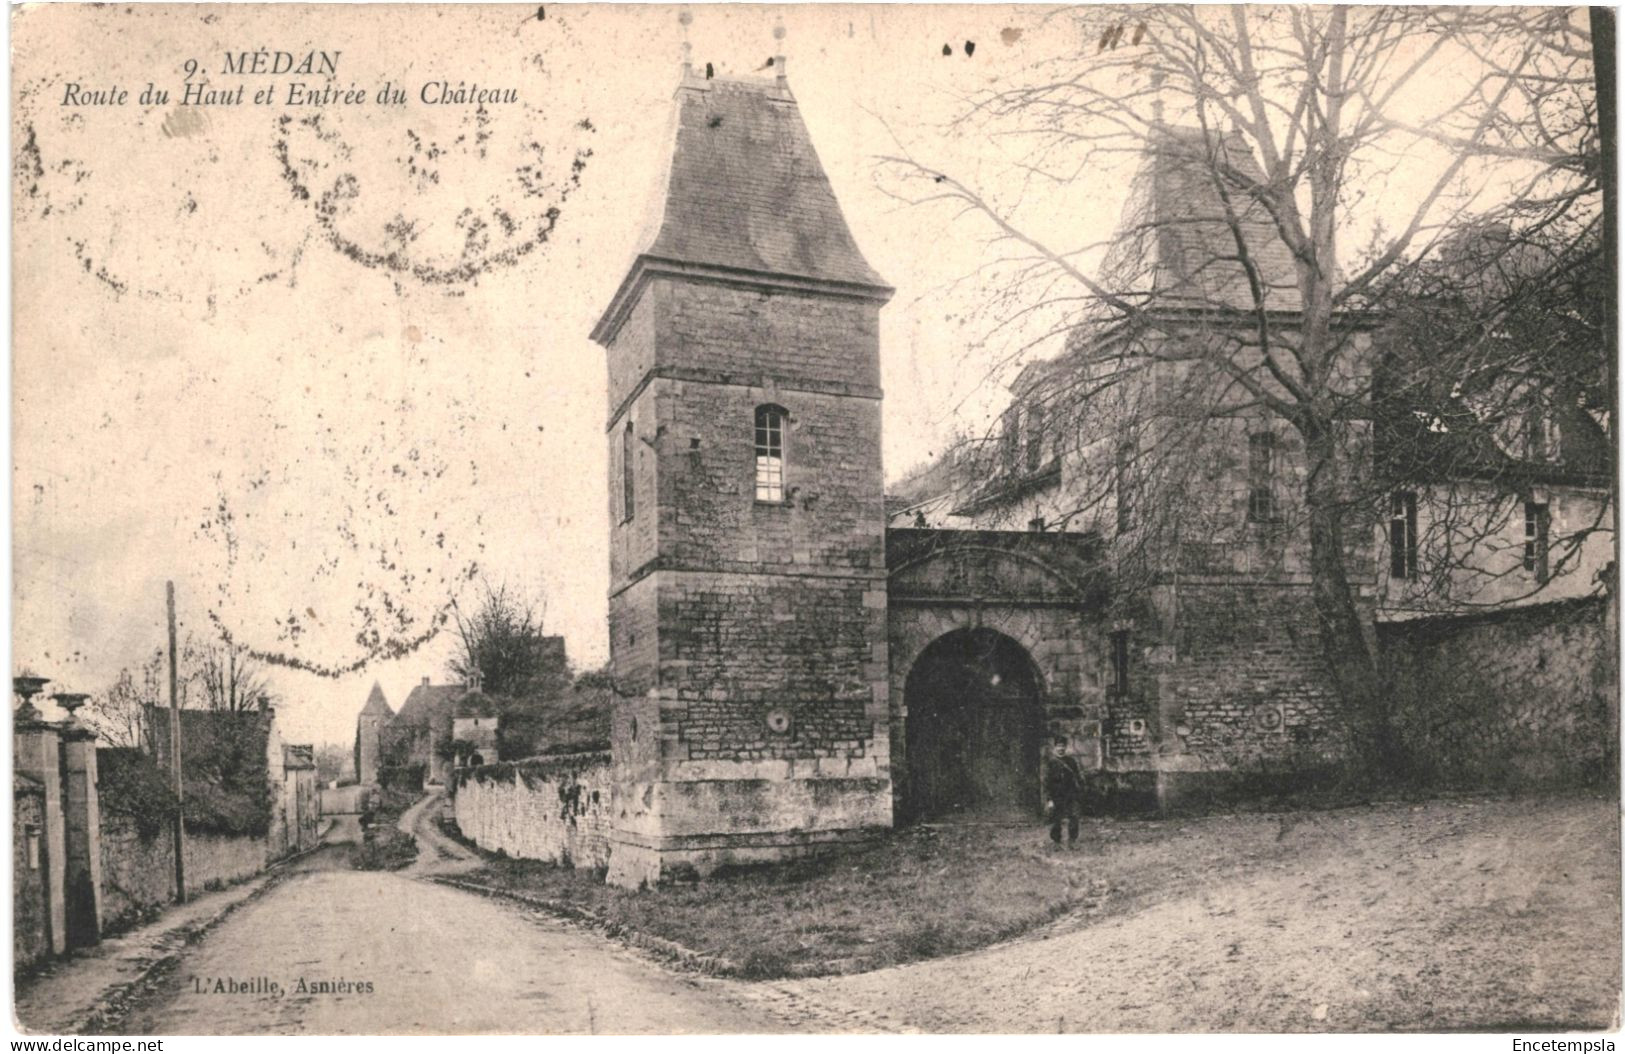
175, 755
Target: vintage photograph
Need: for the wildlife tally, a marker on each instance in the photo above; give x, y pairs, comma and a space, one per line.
741, 519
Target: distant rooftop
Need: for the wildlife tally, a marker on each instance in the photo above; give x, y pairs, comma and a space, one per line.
376, 703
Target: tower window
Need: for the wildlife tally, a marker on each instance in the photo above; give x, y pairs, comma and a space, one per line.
1402, 534
1010, 439
1125, 500
1120, 663
628, 489
1537, 527
1261, 477
770, 453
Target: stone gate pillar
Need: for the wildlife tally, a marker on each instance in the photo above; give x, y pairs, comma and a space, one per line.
83, 837
36, 754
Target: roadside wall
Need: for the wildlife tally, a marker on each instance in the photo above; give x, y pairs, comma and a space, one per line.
342, 799
1519, 698
139, 873
550, 808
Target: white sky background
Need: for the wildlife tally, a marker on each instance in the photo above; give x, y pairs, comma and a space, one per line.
184, 329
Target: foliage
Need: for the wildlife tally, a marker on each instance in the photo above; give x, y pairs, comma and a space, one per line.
503, 648
384, 848
401, 777
130, 785
332, 762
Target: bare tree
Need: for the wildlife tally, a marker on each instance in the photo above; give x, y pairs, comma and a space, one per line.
119, 713
1221, 338
504, 649
228, 676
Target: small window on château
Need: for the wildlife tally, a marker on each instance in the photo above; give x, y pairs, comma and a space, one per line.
1035, 437
1537, 529
1261, 477
1542, 437
628, 489
1122, 485
1402, 535
1120, 662
1010, 439
770, 453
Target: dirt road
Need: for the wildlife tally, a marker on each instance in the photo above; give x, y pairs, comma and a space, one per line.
353, 952
335, 951
437, 854
1488, 915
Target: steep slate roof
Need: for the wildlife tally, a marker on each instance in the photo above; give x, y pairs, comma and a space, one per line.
744, 195
428, 703
377, 704
1175, 239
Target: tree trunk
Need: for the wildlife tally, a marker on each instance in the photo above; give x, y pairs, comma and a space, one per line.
1343, 640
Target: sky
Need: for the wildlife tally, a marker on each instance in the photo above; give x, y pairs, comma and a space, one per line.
314, 363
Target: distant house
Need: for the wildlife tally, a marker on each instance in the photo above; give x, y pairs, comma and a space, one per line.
476, 738
417, 734
301, 803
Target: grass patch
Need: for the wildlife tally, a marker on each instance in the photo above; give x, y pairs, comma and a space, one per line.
919, 894
926, 892
384, 847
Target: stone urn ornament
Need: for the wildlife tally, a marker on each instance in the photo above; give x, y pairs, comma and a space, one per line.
71, 702
27, 687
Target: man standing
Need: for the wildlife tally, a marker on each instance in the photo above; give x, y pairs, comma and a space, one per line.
1063, 786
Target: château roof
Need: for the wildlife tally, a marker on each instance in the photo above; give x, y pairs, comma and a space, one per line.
745, 196
1176, 242
376, 703
428, 703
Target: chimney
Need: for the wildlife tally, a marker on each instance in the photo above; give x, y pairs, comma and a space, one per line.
425, 682
684, 19
778, 60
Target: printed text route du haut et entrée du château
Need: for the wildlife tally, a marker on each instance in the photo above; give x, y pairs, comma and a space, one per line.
321, 89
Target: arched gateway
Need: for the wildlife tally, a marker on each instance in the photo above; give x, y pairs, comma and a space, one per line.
975, 729
995, 643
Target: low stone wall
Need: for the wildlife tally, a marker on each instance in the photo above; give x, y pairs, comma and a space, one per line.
1520, 698
217, 860
550, 808
343, 799
139, 873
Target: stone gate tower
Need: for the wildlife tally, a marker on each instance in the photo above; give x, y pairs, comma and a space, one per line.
747, 569
369, 730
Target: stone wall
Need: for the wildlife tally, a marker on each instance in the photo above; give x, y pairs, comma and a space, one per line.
342, 799
30, 939
138, 873
1237, 680
1519, 698
554, 808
